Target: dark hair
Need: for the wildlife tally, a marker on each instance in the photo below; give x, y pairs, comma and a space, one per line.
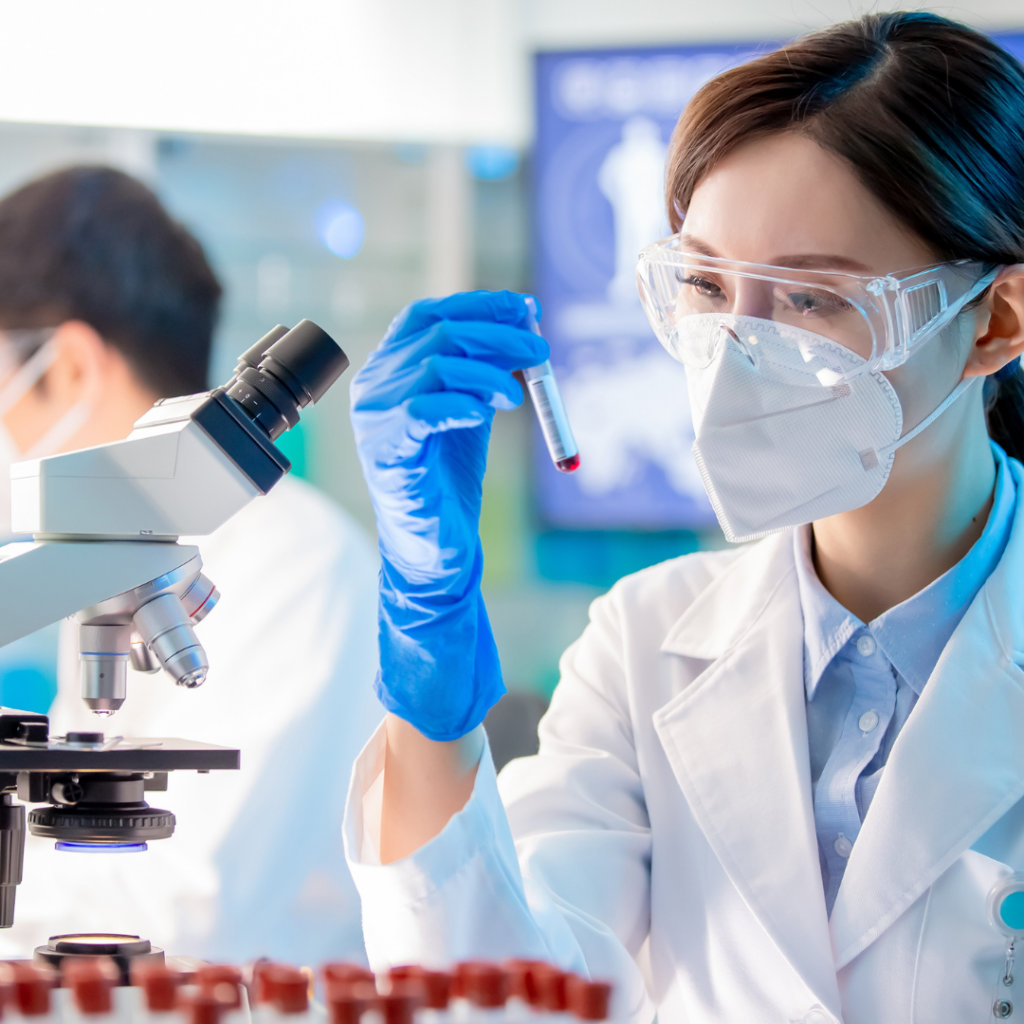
93, 244
929, 113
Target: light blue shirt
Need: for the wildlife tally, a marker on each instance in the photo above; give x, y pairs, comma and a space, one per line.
863, 681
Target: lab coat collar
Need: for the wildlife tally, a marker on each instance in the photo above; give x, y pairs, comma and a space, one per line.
955, 768
736, 740
722, 613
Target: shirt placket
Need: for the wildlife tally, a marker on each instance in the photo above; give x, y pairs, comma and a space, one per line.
835, 796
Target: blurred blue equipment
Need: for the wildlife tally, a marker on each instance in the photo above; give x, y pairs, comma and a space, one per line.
422, 408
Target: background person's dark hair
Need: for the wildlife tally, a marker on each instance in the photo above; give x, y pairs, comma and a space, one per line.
94, 244
929, 113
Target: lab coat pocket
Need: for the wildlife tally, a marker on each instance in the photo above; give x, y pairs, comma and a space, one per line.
961, 956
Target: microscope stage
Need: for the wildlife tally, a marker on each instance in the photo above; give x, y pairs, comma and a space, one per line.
115, 754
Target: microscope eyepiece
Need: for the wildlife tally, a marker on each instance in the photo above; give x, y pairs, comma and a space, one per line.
294, 370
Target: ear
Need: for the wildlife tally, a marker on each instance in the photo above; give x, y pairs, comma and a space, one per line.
79, 366
999, 335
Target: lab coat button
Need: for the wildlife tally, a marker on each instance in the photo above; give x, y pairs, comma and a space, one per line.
843, 846
866, 646
868, 721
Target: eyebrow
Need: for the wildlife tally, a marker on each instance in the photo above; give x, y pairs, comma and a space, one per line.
809, 261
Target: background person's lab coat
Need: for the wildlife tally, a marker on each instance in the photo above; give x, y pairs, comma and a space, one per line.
256, 865
671, 804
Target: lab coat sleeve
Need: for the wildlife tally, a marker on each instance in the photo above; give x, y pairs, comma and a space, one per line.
551, 861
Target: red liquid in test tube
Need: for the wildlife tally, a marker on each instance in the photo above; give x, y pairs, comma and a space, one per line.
547, 403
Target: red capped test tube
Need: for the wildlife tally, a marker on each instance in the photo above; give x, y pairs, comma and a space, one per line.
547, 402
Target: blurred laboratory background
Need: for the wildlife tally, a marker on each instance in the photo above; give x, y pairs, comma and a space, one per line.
340, 158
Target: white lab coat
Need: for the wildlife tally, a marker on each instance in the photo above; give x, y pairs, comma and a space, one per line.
671, 802
256, 865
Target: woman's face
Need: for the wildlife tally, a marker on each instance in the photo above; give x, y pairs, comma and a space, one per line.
785, 201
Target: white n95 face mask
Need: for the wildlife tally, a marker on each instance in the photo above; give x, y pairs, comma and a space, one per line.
777, 448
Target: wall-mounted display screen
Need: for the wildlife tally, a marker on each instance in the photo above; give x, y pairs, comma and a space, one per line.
603, 124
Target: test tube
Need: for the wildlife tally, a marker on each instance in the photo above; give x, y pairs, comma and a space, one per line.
547, 402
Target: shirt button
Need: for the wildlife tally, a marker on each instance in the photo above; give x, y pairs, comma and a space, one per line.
843, 846
866, 646
868, 721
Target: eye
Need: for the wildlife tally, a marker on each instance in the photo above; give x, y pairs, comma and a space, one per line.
808, 304
701, 285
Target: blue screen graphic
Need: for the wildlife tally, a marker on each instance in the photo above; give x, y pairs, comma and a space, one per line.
603, 124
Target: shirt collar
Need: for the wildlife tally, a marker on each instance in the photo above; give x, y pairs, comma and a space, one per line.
911, 634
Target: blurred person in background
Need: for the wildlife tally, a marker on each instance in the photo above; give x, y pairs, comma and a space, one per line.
106, 305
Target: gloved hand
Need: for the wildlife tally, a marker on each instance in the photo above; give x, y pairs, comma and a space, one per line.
422, 408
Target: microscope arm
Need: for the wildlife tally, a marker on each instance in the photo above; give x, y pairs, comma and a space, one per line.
44, 581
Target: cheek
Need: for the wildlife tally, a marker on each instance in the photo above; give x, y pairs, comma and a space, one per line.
929, 375
28, 418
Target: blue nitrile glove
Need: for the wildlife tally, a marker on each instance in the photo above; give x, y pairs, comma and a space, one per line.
421, 409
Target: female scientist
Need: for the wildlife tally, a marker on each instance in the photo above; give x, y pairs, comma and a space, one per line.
794, 769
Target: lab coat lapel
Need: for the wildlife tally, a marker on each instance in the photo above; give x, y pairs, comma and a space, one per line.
956, 767
736, 739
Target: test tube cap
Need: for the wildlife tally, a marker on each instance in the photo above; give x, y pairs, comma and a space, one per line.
346, 1002
203, 1009
8, 992
223, 982
91, 981
289, 989
436, 985
588, 1000
159, 984
31, 989
262, 981
486, 985
345, 973
551, 984
399, 1006
460, 972
522, 980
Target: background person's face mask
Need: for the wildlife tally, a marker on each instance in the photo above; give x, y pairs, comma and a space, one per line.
19, 382
774, 447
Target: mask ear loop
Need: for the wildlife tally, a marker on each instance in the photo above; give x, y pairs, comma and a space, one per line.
28, 375
871, 457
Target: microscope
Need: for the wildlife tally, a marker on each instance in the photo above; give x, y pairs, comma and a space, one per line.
105, 523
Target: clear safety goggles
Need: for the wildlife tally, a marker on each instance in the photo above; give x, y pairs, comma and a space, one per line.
881, 320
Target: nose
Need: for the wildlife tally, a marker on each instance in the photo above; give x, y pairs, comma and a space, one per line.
752, 298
